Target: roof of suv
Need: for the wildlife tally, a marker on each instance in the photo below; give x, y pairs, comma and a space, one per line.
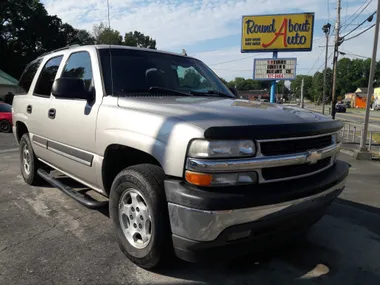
74, 47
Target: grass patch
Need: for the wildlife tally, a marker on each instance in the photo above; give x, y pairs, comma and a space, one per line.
376, 138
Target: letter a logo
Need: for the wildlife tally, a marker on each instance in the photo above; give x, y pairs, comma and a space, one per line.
281, 32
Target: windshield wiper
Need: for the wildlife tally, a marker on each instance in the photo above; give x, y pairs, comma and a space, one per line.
163, 90
211, 92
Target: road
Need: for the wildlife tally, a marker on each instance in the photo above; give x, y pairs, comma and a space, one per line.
353, 115
47, 238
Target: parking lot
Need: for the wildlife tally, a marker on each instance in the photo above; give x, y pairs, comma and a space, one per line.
47, 238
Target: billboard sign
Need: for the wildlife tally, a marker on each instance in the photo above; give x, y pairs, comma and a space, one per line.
285, 32
274, 68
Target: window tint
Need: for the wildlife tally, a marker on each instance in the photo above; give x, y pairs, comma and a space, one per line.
27, 77
127, 71
79, 66
189, 77
46, 79
5, 108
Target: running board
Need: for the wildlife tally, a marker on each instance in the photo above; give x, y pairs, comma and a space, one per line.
85, 200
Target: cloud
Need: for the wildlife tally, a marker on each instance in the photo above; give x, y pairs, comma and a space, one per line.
172, 22
177, 24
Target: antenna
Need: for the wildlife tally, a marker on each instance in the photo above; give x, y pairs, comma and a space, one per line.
108, 12
109, 49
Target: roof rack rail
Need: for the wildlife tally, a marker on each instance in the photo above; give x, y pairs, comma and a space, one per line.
59, 49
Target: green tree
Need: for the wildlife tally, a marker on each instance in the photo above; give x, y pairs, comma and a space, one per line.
317, 86
105, 35
27, 31
137, 39
295, 86
283, 89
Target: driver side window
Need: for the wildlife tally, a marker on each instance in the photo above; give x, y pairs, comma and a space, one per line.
79, 66
191, 78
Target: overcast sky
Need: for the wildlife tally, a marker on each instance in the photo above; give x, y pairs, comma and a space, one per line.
210, 29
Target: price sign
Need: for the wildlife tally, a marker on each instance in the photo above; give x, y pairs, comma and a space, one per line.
274, 69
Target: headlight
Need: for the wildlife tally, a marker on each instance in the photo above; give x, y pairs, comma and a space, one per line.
337, 137
218, 149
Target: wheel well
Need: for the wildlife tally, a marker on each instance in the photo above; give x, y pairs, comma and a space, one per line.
21, 130
117, 157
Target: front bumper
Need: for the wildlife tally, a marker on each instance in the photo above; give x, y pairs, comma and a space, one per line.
206, 220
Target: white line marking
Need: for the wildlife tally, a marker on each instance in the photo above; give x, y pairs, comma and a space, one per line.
9, 150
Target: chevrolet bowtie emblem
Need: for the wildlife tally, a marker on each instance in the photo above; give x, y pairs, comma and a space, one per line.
313, 157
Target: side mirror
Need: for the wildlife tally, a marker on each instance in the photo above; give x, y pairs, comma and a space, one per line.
234, 91
71, 88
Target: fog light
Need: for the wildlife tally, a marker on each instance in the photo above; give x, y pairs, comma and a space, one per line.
225, 179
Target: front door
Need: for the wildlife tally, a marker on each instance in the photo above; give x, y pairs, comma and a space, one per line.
72, 123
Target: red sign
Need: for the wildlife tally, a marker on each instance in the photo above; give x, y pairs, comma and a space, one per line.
280, 75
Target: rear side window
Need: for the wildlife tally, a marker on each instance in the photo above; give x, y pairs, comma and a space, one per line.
47, 76
27, 77
79, 66
5, 108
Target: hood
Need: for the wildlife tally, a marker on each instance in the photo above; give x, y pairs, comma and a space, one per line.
219, 116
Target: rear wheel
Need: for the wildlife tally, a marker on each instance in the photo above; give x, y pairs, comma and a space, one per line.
139, 212
5, 126
29, 163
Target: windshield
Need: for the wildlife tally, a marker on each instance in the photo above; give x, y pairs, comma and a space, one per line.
135, 72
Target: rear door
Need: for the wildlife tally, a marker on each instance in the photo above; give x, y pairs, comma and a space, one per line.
72, 128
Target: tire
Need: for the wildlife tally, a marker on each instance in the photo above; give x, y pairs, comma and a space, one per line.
5, 126
145, 182
27, 157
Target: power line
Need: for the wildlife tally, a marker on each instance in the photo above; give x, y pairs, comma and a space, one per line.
360, 33
315, 62
368, 19
356, 15
216, 51
323, 64
237, 59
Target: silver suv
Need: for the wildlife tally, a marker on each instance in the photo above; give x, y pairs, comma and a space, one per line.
187, 169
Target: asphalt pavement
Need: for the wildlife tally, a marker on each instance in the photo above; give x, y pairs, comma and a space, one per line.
48, 238
352, 115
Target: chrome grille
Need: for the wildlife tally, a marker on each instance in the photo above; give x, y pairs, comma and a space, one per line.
277, 159
270, 148
282, 172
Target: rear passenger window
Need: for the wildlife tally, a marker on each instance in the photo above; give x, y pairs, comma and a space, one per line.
27, 77
79, 66
47, 76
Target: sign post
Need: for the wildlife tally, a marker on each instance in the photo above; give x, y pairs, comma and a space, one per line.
273, 86
274, 33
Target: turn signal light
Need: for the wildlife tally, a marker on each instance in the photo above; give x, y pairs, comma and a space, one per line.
221, 179
199, 179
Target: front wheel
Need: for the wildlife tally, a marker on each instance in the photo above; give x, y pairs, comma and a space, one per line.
5, 126
139, 211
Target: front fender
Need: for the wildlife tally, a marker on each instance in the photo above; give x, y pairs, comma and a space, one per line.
168, 147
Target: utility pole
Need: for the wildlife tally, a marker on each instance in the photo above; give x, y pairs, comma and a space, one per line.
302, 105
326, 30
363, 152
335, 61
